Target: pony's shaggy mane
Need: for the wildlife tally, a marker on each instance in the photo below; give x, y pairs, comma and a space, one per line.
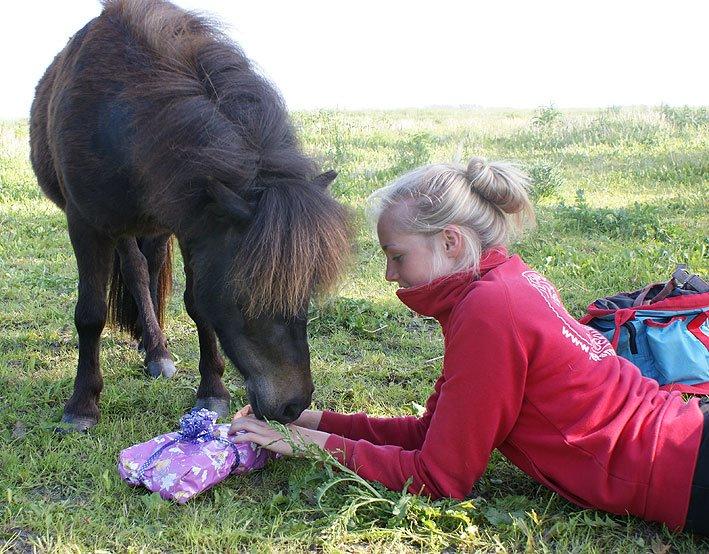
219, 118
218, 115
301, 239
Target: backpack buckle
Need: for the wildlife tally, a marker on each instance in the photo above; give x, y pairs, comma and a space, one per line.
681, 276
685, 280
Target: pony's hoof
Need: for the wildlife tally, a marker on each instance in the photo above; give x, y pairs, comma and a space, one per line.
162, 368
215, 404
75, 424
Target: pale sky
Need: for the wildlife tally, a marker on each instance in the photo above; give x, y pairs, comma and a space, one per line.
389, 54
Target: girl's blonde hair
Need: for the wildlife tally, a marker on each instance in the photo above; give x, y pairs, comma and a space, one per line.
487, 201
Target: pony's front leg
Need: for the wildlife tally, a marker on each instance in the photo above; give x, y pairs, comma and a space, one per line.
134, 268
211, 394
94, 258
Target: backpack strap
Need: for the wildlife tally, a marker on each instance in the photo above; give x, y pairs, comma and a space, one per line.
694, 327
667, 288
620, 318
681, 278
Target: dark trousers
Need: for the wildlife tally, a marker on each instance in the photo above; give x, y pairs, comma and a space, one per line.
698, 513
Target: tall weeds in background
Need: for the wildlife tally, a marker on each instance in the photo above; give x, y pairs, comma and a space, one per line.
546, 117
545, 179
411, 152
685, 116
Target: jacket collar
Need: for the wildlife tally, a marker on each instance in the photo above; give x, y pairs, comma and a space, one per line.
437, 298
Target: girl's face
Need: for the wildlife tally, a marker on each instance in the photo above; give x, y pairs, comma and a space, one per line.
410, 256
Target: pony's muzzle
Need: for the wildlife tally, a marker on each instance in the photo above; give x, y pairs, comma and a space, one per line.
282, 411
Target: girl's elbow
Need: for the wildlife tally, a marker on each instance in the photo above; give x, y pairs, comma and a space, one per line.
439, 490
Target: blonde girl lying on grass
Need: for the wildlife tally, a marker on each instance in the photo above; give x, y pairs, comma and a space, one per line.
519, 373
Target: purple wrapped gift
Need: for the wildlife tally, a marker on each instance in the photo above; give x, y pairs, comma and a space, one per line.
181, 465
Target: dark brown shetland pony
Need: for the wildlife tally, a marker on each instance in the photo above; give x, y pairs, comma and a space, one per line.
151, 123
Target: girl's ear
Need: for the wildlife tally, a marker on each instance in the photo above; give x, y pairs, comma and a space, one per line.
452, 241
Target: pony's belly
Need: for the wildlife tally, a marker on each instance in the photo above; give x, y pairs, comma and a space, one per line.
112, 213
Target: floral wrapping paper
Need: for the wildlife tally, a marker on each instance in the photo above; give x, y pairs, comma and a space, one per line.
182, 464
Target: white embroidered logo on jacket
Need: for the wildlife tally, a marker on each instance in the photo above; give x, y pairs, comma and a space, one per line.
588, 340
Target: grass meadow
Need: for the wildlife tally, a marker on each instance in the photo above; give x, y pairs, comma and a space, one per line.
622, 196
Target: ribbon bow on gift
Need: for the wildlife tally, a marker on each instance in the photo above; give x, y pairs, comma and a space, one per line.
195, 427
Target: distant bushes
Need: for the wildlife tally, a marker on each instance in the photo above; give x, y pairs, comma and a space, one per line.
546, 116
685, 116
550, 129
639, 221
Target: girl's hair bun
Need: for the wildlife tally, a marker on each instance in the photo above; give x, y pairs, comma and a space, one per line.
501, 184
476, 167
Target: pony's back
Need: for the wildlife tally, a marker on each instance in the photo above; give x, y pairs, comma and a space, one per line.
163, 93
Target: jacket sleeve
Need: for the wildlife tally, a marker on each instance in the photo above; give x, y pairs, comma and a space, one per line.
480, 397
407, 432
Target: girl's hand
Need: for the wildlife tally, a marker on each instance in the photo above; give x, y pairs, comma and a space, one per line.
310, 419
246, 410
261, 433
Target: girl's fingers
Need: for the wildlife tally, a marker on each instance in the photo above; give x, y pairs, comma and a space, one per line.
250, 437
246, 410
275, 443
243, 412
255, 428
255, 436
261, 433
246, 423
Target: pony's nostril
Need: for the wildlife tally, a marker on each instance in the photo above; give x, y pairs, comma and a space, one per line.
291, 412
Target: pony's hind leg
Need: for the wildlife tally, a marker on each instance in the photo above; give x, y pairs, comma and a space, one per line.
211, 394
136, 274
94, 256
158, 253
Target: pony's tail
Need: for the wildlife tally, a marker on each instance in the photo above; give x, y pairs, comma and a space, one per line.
122, 309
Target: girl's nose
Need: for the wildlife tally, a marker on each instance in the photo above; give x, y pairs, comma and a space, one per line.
390, 274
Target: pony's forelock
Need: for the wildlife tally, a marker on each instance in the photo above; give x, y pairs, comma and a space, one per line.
298, 244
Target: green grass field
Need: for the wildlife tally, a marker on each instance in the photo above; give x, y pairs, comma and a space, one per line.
622, 196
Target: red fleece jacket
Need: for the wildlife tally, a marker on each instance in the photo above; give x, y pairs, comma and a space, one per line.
523, 376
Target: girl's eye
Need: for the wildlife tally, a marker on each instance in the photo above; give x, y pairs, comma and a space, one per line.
397, 257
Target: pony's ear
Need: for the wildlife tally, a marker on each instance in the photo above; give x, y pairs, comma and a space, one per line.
227, 202
325, 179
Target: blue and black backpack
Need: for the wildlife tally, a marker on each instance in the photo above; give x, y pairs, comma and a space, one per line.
663, 329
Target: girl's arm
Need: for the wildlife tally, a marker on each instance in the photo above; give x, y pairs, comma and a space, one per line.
478, 404
407, 432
